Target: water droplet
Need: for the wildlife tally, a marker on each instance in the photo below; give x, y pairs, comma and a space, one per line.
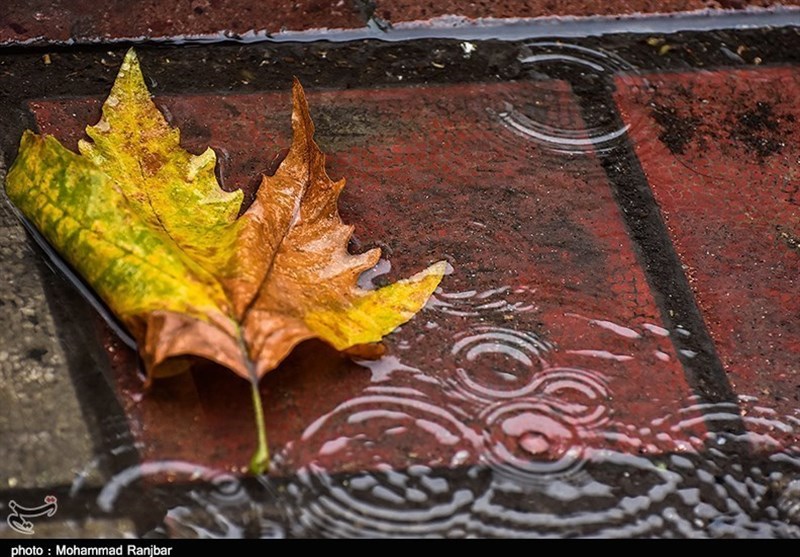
534, 443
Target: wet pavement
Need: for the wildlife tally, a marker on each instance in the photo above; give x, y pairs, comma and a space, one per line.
43, 22
614, 352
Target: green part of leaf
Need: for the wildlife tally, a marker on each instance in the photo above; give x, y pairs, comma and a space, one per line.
136, 269
259, 464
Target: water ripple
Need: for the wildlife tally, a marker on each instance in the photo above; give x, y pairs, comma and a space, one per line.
417, 502
543, 121
474, 303
527, 441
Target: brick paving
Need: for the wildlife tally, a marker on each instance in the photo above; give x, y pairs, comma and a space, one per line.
719, 151
436, 171
44, 21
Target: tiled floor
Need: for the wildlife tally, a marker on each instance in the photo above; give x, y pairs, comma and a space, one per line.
633, 297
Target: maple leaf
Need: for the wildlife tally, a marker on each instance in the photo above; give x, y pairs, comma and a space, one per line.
147, 225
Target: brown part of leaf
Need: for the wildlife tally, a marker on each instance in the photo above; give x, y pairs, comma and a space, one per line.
267, 221
299, 205
170, 336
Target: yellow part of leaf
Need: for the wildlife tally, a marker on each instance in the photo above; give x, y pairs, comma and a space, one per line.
374, 314
169, 187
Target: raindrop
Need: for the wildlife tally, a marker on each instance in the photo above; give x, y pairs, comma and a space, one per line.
527, 441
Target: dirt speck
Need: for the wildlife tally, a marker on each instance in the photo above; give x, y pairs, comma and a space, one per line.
760, 130
677, 130
792, 241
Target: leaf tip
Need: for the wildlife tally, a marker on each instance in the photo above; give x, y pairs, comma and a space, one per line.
438, 270
28, 136
130, 60
298, 93
301, 116
29, 142
129, 77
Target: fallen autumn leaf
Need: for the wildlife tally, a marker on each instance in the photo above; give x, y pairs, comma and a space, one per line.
149, 228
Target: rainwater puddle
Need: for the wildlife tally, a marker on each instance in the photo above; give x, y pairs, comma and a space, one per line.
579, 372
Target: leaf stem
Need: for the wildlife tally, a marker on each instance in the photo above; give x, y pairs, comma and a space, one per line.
259, 464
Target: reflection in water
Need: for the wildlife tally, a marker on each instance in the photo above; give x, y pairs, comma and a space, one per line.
360, 423
604, 509
518, 346
375, 499
558, 139
505, 455
217, 514
171, 470
383, 368
513, 359
518, 446
215, 504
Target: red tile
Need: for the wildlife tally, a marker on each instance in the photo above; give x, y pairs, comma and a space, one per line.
720, 152
396, 11
542, 344
87, 20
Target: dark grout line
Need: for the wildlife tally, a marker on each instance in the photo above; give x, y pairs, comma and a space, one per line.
277, 498
697, 352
